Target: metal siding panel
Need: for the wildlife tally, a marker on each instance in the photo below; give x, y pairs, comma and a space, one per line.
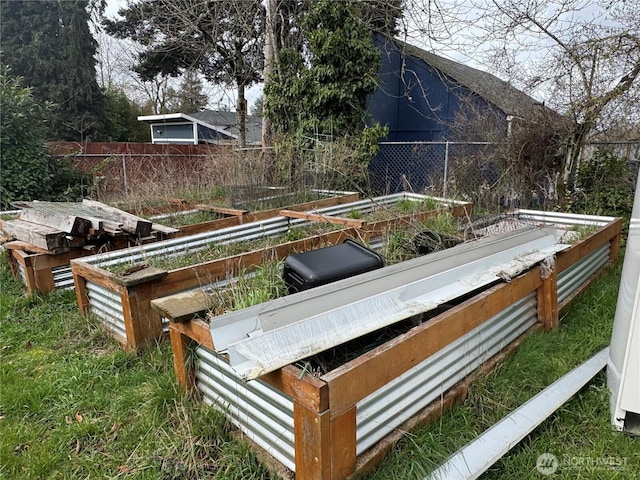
264, 414
578, 273
386, 409
107, 306
63, 278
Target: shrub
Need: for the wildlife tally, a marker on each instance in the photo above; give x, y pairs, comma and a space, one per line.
605, 186
28, 171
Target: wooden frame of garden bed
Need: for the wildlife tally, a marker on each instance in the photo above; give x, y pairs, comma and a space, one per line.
131, 295
241, 217
325, 407
43, 272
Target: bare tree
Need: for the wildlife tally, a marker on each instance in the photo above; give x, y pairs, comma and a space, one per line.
222, 39
583, 56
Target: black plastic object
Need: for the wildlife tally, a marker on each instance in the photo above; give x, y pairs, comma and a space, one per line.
429, 241
325, 265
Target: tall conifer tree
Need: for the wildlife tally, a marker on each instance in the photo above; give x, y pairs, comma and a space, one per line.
50, 45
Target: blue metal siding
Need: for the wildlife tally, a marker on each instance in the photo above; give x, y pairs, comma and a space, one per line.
417, 103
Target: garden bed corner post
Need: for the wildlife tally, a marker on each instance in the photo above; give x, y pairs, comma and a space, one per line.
325, 443
547, 295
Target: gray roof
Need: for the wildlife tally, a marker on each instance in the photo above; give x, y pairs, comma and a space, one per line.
229, 122
491, 88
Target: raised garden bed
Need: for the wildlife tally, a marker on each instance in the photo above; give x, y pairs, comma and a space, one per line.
121, 298
44, 272
339, 421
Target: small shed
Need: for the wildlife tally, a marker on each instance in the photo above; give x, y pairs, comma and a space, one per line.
207, 126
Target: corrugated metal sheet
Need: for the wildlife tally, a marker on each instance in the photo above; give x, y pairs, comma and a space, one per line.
578, 273
62, 277
107, 306
264, 414
386, 409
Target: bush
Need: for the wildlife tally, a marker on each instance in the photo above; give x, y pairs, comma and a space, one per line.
605, 186
29, 172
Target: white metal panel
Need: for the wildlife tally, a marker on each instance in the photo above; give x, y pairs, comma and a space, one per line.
476, 457
623, 369
263, 352
235, 326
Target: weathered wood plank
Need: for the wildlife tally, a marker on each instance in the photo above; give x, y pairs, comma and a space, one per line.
135, 277
185, 374
609, 233
316, 217
183, 306
343, 444
157, 227
43, 237
72, 224
24, 246
306, 389
312, 443
196, 330
548, 300
353, 381
234, 212
130, 223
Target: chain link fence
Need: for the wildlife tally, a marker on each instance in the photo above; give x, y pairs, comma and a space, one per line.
479, 172
474, 171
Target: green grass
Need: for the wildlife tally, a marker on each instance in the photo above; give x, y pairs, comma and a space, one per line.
74, 405
579, 431
180, 220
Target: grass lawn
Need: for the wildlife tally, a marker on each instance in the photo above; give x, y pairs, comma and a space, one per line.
74, 405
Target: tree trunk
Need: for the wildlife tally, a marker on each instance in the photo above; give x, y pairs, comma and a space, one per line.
578, 138
241, 115
269, 59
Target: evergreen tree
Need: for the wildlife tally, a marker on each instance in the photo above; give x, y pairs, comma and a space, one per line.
327, 93
50, 45
121, 118
29, 172
190, 97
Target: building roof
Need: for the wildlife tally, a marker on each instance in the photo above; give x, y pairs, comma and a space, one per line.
491, 88
229, 122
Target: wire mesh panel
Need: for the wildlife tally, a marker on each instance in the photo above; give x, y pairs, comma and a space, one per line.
467, 171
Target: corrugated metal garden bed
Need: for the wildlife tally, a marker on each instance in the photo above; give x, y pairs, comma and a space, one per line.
44, 272
122, 300
420, 330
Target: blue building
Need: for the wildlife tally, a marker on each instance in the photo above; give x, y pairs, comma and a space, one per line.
420, 98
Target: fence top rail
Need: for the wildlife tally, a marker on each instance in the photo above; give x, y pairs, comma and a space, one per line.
420, 142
